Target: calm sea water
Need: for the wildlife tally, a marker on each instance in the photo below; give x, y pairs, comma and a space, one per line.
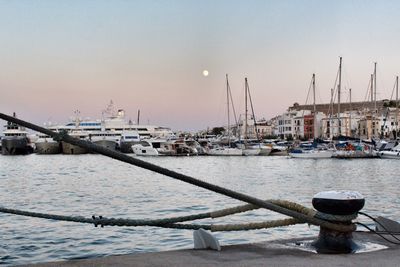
89, 185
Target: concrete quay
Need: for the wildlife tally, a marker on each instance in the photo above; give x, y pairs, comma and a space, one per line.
271, 253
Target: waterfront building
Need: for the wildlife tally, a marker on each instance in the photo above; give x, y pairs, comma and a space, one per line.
291, 124
335, 126
264, 128
369, 126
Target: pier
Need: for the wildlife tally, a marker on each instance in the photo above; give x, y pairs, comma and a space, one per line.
272, 253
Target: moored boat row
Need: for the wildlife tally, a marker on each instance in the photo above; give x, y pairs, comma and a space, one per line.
346, 150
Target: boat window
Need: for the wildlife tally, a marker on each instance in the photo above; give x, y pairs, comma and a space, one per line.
144, 143
156, 145
131, 137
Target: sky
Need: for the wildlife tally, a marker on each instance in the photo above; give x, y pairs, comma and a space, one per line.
60, 56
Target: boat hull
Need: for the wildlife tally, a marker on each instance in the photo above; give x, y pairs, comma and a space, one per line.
107, 144
140, 150
278, 152
225, 152
15, 146
389, 155
354, 154
73, 149
251, 151
265, 151
323, 154
48, 147
126, 146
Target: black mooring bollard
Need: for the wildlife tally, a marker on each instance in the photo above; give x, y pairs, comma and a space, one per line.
337, 203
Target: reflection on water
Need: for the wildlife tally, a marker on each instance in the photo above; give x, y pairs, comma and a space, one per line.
89, 185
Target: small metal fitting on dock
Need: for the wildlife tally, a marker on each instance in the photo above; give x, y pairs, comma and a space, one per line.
337, 203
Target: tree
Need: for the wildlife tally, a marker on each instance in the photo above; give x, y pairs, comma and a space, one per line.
218, 130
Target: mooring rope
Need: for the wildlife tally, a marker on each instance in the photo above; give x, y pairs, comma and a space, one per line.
163, 223
185, 178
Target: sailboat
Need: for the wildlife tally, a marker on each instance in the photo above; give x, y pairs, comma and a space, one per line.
219, 150
355, 150
252, 147
314, 151
394, 153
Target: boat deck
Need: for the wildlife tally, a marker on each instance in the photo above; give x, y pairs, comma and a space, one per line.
272, 253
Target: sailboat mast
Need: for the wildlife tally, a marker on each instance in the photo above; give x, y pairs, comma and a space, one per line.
397, 105
375, 87
315, 108
372, 87
245, 109
350, 112
227, 101
339, 91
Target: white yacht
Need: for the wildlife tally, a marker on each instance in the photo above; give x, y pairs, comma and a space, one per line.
15, 140
127, 140
394, 153
113, 127
150, 147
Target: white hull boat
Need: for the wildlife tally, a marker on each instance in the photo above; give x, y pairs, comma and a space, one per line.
251, 151
394, 153
225, 151
312, 154
389, 154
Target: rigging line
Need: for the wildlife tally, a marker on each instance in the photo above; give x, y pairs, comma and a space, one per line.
394, 88
254, 116
233, 106
333, 96
308, 94
387, 109
368, 91
381, 81
346, 76
179, 176
375, 232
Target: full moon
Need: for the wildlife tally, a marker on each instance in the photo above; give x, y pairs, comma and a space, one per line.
205, 73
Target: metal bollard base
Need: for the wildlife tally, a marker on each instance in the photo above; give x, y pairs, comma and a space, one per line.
334, 242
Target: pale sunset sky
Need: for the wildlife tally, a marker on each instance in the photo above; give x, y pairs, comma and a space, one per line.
61, 56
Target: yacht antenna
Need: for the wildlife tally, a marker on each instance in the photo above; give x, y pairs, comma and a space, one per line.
138, 117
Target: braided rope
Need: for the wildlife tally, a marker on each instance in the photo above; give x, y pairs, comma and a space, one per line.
102, 221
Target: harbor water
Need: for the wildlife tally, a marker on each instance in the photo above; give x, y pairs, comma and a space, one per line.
86, 185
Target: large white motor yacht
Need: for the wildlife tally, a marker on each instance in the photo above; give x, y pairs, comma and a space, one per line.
15, 140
